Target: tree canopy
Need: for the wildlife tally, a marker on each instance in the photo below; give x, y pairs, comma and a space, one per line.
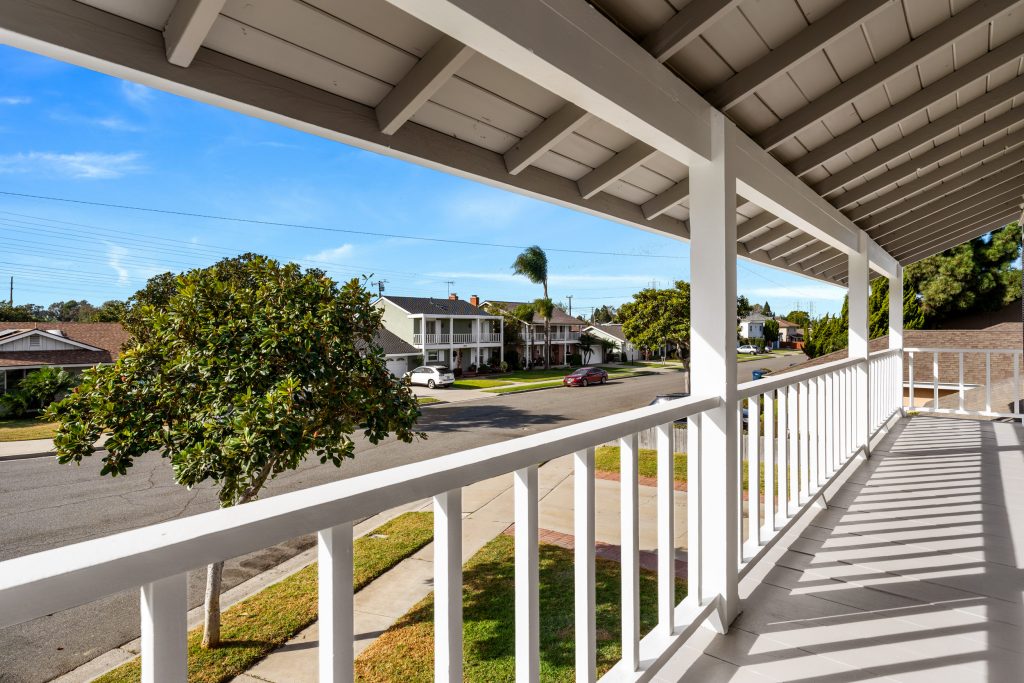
656, 316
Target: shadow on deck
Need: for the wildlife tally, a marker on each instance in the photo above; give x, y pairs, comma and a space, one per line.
913, 573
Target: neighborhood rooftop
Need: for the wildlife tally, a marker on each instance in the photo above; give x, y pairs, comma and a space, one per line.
558, 315
418, 305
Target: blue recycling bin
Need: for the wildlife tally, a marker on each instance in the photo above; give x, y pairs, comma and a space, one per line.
758, 374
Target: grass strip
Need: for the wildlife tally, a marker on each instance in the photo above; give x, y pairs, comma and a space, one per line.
525, 387
405, 652
427, 400
25, 429
606, 459
266, 620
473, 383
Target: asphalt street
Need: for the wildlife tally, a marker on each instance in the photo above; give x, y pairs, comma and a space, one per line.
45, 505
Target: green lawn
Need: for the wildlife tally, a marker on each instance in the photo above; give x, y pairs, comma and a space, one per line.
743, 357
525, 387
23, 429
535, 375
258, 624
481, 383
405, 652
427, 400
606, 459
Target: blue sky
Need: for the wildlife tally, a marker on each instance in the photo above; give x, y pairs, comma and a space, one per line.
69, 133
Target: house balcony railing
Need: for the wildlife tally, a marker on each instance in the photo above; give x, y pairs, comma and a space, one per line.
804, 427
538, 337
444, 339
961, 381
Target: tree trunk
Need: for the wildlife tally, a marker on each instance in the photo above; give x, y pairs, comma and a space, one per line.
211, 605
547, 344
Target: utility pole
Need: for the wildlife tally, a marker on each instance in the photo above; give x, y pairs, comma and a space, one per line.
570, 304
10, 300
380, 287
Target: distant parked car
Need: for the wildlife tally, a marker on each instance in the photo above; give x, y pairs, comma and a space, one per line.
430, 376
664, 398
583, 377
748, 348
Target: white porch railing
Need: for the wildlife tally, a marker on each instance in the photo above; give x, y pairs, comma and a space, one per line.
463, 338
490, 337
801, 425
885, 369
428, 339
967, 373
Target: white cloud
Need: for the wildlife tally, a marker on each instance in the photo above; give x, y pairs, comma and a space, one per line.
136, 93
115, 123
797, 291
114, 255
336, 255
486, 206
13, 100
90, 165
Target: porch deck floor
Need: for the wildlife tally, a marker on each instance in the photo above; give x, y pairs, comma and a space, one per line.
913, 573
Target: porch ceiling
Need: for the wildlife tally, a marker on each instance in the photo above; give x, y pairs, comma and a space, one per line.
900, 117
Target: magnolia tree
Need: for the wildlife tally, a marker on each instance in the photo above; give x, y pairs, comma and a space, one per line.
236, 373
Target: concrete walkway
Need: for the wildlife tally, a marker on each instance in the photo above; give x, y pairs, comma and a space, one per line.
487, 512
33, 448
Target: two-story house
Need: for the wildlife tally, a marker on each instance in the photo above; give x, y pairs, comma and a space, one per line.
449, 332
564, 329
752, 327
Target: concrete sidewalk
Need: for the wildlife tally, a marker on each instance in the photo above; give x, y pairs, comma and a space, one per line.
488, 510
34, 448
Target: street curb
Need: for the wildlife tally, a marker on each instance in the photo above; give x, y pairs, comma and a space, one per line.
26, 456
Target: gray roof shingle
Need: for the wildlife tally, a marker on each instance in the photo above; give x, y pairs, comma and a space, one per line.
392, 344
419, 305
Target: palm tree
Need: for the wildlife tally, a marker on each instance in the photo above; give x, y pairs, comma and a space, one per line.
533, 264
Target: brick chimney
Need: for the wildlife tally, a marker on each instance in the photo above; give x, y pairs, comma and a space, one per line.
474, 300
453, 297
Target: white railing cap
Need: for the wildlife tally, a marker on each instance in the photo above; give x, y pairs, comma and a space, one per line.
772, 382
53, 580
929, 349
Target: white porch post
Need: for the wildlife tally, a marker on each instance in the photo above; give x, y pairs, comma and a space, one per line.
859, 278
476, 338
451, 342
713, 353
896, 328
501, 339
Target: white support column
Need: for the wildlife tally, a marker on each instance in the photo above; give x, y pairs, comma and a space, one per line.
713, 363
896, 330
859, 280
334, 571
583, 554
527, 577
448, 586
164, 630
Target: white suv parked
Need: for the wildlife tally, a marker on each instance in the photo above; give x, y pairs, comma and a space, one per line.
430, 376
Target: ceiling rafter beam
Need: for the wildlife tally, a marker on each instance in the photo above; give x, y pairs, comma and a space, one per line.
785, 251
754, 223
769, 238
966, 197
541, 139
934, 156
806, 252
187, 27
986, 210
922, 136
977, 230
936, 192
801, 46
421, 83
905, 57
937, 175
890, 116
658, 205
616, 167
684, 26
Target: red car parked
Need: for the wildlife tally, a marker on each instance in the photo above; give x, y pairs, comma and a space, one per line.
585, 377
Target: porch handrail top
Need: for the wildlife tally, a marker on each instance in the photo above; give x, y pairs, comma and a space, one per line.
936, 349
43, 583
772, 382
884, 352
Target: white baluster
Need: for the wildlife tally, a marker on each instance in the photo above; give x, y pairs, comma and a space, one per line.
822, 404
911, 378
812, 437
694, 527
935, 380
753, 470
527, 578
961, 383
1016, 383
586, 605
164, 630
783, 456
769, 465
988, 382
448, 586
666, 529
630, 550
334, 597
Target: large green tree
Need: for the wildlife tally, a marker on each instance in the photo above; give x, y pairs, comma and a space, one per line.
236, 373
657, 316
533, 265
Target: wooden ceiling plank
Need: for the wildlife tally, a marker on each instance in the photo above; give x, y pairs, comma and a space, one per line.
977, 230
420, 84
549, 133
951, 219
684, 26
905, 57
934, 156
952, 224
658, 205
811, 39
785, 251
616, 167
919, 101
187, 27
753, 224
771, 237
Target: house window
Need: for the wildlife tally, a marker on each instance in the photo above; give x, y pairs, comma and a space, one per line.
35, 341
432, 356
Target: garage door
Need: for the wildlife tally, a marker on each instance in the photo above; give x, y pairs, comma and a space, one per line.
398, 366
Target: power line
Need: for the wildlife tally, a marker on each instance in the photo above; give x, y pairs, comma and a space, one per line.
351, 231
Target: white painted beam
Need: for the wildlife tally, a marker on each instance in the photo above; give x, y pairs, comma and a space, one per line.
904, 58
658, 205
432, 71
953, 224
537, 142
187, 27
786, 249
754, 223
616, 167
798, 48
686, 25
940, 246
771, 237
808, 251
935, 176
947, 85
